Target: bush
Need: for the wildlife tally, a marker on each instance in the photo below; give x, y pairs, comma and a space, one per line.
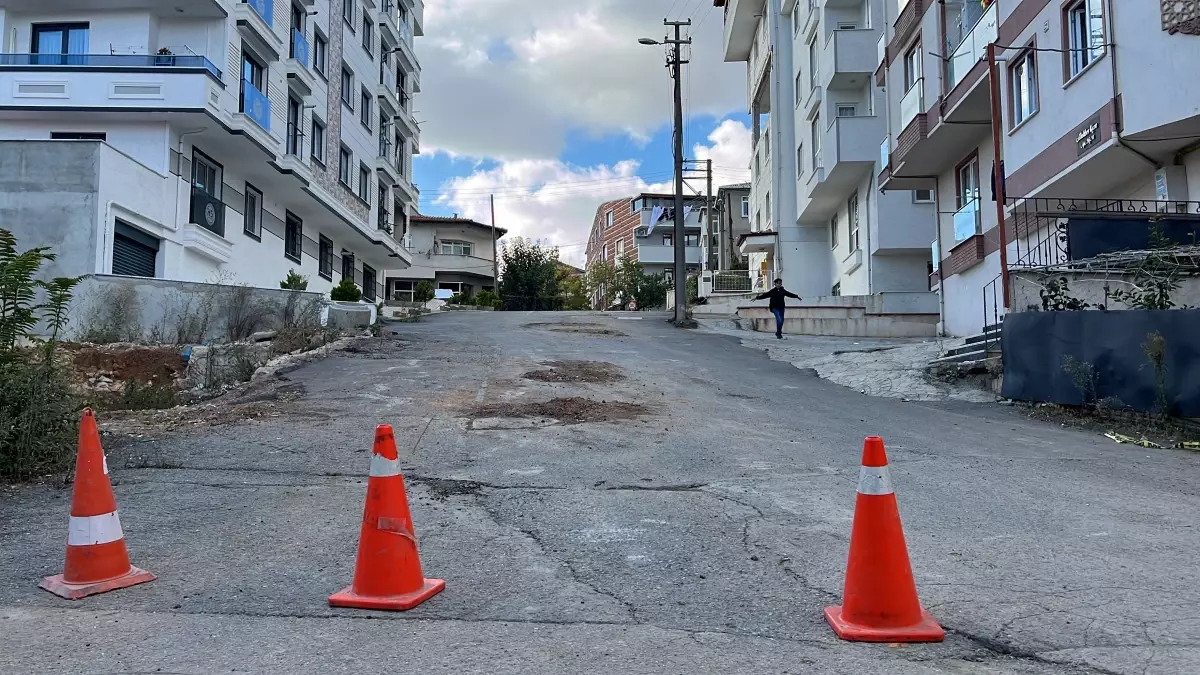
486, 299
146, 396
423, 292
37, 406
294, 282
463, 298
345, 291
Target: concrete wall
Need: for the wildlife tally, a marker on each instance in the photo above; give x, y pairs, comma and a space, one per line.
880, 315
145, 142
1089, 287
154, 309
49, 197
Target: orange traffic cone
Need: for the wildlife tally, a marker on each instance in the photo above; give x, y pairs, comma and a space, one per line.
880, 599
97, 561
388, 572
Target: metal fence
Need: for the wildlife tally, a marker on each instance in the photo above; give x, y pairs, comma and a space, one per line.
731, 281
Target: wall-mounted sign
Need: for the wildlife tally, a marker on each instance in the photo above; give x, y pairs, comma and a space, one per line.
1088, 135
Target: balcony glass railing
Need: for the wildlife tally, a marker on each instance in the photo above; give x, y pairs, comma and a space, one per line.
264, 8
913, 103
885, 153
131, 61
299, 47
255, 105
972, 47
208, 211
966, 221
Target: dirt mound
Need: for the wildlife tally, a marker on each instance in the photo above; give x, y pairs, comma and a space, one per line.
571, 410
591, 372
583, 328
127, 362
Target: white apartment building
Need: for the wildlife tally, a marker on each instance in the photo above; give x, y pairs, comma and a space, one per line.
818, 219
239, 140
1099, 115
451, 253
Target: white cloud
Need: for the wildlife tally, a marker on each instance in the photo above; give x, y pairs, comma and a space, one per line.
509, 78
555, 202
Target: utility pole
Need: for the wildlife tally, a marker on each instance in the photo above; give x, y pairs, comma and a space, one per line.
708, 212
495, 257
676, 62
998, 168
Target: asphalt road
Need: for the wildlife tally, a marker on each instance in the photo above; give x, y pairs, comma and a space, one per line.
703, 537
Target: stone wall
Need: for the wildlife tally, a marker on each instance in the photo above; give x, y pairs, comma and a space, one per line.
1181, 16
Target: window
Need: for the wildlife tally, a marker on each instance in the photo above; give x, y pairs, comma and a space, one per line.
968, 181
799, 87
816, 142
833, 229
295, 130
454, 248
320, 55
852, 217
691, 240
745, 207
847, 25
344, 161
348, 265
325, 258
668, 240
608, 220
1084, 26
404, 291
812, 63
252, 76
620, 247
367, 33
1022, 80
800, 160
293, 237
78, 136
254, 211
318, 140
134, 253
847, 110
364, 110
836, 290
364, 183
54, 42
347, 88
912, 66
348, 13
922, 196
368, 283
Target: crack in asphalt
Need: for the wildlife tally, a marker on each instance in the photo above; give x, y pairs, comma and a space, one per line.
1009, 650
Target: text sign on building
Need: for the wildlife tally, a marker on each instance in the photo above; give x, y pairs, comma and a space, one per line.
1088, 135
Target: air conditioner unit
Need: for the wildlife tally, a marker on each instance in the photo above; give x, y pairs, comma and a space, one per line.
642, 232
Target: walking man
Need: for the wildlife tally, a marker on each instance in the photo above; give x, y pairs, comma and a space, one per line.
777, 295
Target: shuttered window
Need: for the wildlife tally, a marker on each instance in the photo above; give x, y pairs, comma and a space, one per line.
134, 253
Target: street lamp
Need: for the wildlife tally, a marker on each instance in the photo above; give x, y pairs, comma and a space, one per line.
648, 41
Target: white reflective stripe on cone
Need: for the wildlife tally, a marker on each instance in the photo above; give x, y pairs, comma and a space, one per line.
92, 530
874, 480
382, 467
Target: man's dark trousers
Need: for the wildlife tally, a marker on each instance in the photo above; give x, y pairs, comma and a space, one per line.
778, 322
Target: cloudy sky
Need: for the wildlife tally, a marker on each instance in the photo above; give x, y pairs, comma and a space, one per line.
554, 107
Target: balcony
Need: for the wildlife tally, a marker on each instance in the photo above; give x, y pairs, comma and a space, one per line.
849, 59
386, 94
650, 254
971, 48
389, 20
255, 105
254, 19
967, 221
296, 67
134, 82
207, 211
848, 154
967, 100
384, 220
741, 21
385, 163
295, 159
913, 103
902, 226
881, 64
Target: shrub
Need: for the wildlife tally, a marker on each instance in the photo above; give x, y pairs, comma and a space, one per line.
423, 292
37, 405
294, 282
486, 299
345, 291
147, 396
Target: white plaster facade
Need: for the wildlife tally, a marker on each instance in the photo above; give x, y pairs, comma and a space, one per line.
816, 155
168, 85
456, 254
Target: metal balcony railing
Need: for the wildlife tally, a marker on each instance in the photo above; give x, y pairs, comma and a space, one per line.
86, 61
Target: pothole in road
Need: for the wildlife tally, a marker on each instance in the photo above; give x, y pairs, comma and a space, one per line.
583, 328
444, 488
590, 372
569, 410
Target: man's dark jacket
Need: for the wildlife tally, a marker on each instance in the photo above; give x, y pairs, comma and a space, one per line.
777, 296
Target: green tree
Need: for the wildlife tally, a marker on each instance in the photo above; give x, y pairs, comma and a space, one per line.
632, 283
602, 279
529, 281
575, 296
294, 282
423, 292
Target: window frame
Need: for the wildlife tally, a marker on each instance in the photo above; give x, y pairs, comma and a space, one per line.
853, 222
746, 207
318, 131
345, 160
917, 200
289, 220
348, 258
256, 232
912, 67
368, 37
834, 229
364, 183
853, 106
348, 13
1078, 59
456, 247
320, 53
968, 162
347, 87
368, 289
1022, 69
364, 112
325, 257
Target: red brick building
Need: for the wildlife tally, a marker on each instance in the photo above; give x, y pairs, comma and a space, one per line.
612, 233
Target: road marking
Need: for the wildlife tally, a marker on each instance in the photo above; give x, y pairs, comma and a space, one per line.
482, 390
525, 472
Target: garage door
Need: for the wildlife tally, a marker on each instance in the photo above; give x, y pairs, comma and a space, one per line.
134, 252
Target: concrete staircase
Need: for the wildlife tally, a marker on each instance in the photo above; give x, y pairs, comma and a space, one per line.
976, 348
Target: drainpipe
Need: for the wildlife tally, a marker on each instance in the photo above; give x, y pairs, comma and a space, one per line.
937, 236
1116, 89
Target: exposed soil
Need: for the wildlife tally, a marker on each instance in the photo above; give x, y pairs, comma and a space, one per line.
584, 328
442, 488
1132, 427
122, 362
590, 372
262, 400
571, 410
